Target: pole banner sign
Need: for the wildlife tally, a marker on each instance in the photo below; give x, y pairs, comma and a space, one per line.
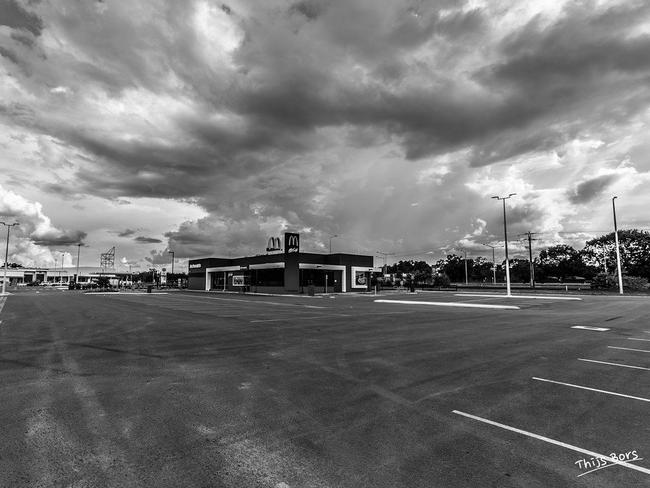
291, 243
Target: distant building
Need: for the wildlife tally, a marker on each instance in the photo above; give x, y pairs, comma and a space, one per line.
287, 270
61, 276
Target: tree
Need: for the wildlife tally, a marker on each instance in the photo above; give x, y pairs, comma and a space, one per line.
420, 271
519, 270
481, 270
634, 246
562, 261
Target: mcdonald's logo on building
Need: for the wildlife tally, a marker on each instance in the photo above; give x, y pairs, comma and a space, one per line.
291, 242
274, 244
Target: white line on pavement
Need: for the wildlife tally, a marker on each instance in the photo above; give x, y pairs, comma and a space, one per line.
539, 297
300, 318
593, 389
449, 304
614, 364
195, 300
637, 339
628, 349
553, 441
588, 327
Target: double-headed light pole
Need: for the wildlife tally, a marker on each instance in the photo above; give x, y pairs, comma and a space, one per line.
4, 280
505, 239
618, 253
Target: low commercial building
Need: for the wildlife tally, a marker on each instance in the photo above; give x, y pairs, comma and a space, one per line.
60, 276
284, 271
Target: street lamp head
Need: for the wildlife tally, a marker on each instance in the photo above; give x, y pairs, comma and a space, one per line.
496, 197
614, 198
511, 195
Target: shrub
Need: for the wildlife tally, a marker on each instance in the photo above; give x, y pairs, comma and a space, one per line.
635, 283
441, 280
604, 281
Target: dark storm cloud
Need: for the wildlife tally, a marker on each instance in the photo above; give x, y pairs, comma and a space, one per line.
212, 236
13, 15
147, 240
158, 257
587, 190
57, 238
156, 104
126, 233
9, 54
311, 9
24, 38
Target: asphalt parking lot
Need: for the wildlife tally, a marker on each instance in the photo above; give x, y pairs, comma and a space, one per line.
191, 389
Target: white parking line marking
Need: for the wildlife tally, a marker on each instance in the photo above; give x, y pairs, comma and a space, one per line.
628, 349
637, 339
245, 301
449, 304
301, 318
614, 364
588, 327
553, 441
538, 297
593, 389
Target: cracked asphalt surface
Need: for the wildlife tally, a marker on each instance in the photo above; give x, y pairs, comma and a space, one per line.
190, 389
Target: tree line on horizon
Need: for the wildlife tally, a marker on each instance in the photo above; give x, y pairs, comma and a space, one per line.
596, 262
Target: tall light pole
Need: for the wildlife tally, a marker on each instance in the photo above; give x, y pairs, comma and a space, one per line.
62, 253
505, 239
618, 253
4, 280
465, 257
76, 278
494, 265
332, 237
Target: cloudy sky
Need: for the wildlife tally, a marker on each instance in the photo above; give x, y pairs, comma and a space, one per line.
206, 127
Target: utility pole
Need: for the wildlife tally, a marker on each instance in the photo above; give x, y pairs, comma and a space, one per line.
505, 239
530, 253
4, 280
618, 253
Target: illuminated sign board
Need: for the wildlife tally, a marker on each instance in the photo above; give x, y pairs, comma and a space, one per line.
291, 242
195, 265
238, 280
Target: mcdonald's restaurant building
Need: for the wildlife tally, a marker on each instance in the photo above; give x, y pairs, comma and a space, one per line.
284, 271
